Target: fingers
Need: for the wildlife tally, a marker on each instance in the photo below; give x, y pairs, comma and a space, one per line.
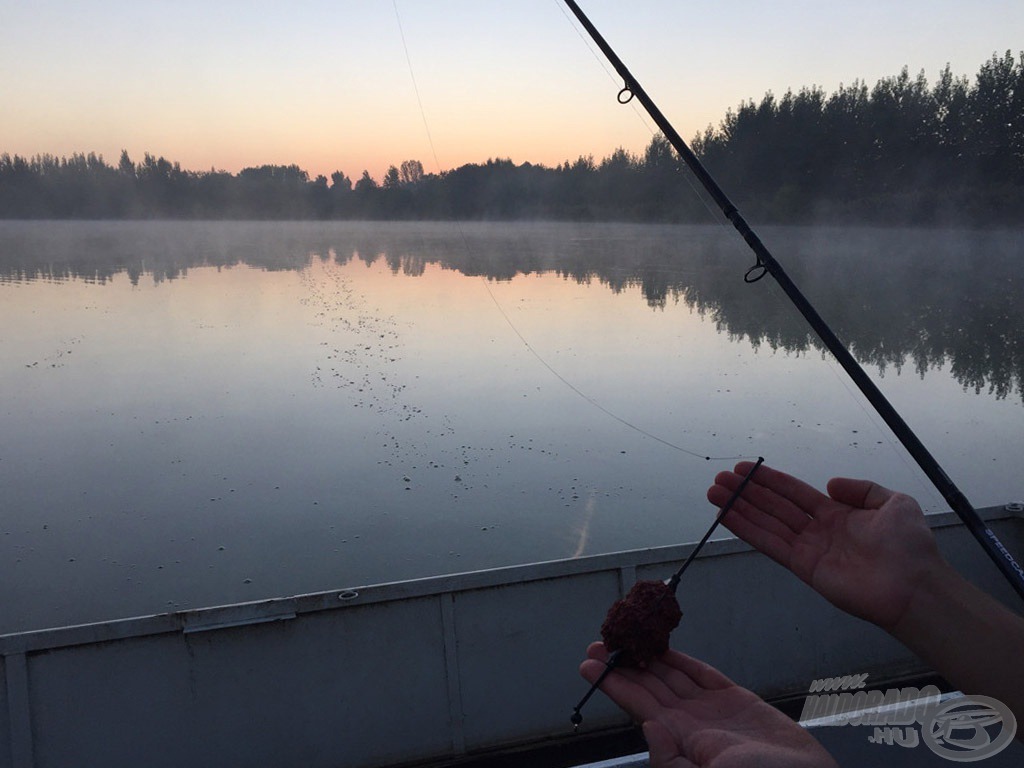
697, 671
597, 651
698, 674
640, 693
771, 482
773, 530
766, 516
665, 684
773, 497
862, 494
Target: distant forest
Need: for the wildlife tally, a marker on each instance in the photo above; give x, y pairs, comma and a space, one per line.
902, 151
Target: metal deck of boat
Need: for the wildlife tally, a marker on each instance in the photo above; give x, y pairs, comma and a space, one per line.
475, 667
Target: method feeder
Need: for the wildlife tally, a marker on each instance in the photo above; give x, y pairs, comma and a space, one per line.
637, 627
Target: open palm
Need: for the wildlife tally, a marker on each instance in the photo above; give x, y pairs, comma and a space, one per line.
864, 547
693, 715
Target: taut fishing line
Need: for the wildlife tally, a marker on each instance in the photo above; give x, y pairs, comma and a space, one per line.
626, 97
530, 348
591, 400
767, 264
716, 217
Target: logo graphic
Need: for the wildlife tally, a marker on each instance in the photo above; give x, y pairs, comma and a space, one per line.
959, 728
969, 728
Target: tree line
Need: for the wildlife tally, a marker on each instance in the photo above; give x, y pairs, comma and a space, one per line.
902, 151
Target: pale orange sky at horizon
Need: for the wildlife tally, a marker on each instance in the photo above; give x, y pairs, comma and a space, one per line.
355, 85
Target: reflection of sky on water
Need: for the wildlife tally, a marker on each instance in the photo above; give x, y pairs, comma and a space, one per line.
241, 432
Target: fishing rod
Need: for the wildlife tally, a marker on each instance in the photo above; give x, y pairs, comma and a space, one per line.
766, 264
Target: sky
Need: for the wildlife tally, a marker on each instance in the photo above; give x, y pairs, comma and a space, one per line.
356, 85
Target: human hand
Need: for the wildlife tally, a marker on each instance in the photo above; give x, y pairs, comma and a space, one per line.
694, 716
863, 547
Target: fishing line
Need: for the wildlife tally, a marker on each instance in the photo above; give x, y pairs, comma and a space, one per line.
415, 86
530, 348
601, 63
718, 219
767, 264
594, 402
626, 97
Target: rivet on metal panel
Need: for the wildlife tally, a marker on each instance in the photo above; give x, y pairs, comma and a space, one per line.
348, 594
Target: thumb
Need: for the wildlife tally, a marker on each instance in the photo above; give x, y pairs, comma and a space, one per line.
862, 494
663, 747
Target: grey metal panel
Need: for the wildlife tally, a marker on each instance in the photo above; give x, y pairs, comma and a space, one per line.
322, 694
17, 692
451, 661
5, 719
519, 649
361, 686
115, 702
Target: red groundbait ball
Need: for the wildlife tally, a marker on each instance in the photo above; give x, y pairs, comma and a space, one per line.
639, 625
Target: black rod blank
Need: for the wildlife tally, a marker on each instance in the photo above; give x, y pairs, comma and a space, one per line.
674, 581
1006, 563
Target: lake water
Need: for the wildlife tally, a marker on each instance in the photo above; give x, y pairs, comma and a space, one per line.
203, 413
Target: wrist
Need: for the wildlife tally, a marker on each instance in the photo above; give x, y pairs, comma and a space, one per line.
928, 599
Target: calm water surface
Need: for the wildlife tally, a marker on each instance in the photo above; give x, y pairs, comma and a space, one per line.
203, 413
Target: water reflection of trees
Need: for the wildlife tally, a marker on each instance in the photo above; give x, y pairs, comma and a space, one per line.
898, 298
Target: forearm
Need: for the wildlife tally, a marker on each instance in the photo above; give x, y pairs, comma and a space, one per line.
968, 637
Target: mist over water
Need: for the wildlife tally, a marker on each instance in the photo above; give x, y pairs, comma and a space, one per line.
203, 413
